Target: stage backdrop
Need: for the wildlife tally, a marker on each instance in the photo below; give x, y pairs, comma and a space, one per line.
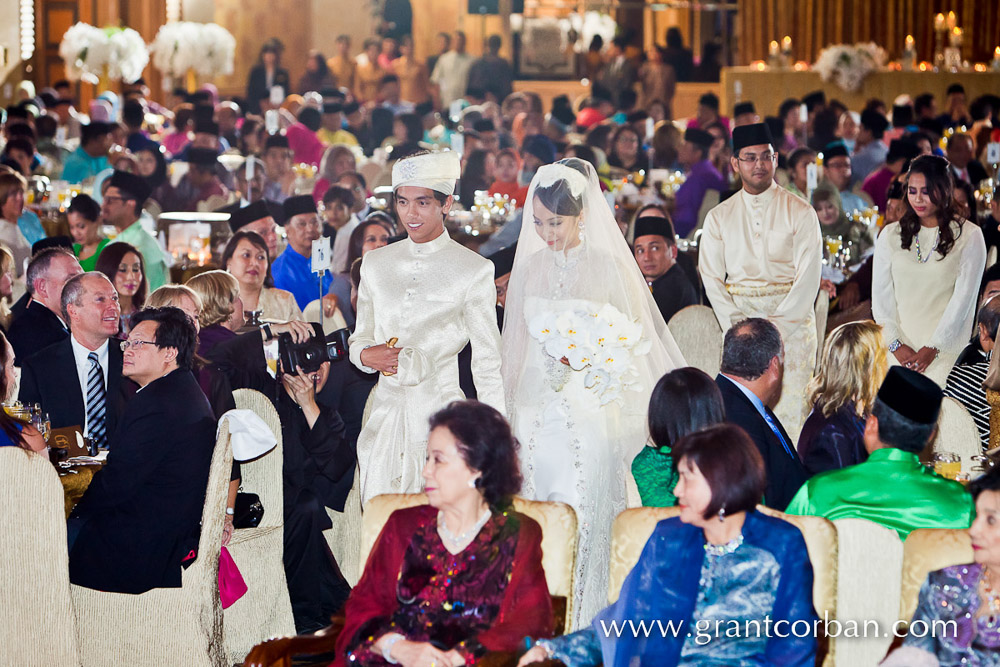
818, 23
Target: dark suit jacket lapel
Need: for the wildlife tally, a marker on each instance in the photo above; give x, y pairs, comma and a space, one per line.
74, 397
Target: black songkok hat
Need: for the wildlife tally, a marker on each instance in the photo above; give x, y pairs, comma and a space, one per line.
131, 184
276, 141
835, 149
207, 126
902, 148
484, 125
751, 135
350, 108
252, 212
744, 107
814, 99
503, 261
874, 121
653, 226
913, 395
203, 157
298, 205
51, 242
699, 138
332, 107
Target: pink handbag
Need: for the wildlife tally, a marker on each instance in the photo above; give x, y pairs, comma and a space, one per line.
231, 584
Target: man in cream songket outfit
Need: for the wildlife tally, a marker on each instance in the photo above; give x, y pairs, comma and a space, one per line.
420, 301
761, 256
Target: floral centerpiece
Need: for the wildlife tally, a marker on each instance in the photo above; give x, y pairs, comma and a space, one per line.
90, 53
207, 49
849, 65
602, 344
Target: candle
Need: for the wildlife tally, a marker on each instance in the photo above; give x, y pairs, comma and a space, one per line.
952, 20
786, 43
909, 42
996, 53
939, 22
773, 50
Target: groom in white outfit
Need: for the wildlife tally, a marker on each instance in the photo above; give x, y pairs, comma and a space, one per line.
420, 301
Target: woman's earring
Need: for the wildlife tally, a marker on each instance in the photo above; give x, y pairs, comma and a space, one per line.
722, 514
472, 482
581, 230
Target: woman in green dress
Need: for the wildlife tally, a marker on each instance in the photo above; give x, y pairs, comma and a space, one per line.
684, 401
84, 216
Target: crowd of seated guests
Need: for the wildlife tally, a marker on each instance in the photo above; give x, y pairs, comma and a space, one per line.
108, 341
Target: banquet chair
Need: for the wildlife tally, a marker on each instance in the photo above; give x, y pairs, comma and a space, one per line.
699, 337
265, 610
312, 312
180, 626
869, 565
559, 538
39, 625
633, 527
926, 550
957, 433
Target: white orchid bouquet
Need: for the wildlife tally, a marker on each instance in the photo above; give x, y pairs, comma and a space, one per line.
849, 65
603, 344
206, 48
89, 52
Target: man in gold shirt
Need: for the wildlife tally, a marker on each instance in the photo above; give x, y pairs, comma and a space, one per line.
342, 65
761, 256
333, 132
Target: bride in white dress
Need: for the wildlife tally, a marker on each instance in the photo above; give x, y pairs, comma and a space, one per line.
583, 345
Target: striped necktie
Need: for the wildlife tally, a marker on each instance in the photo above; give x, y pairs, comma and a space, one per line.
96, 403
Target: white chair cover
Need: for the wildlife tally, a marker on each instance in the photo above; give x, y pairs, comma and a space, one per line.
179, 626
40, 624
957, 433
870, 565
697, 333
265, 611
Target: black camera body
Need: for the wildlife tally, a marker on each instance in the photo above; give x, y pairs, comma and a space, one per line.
311, 354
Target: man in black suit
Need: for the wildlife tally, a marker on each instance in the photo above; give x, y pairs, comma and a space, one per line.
655, 248
90, 306
962, 156
750, 382
140, 516
41, 323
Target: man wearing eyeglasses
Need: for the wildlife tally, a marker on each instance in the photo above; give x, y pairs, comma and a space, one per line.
122, 207
760, 256
139, 518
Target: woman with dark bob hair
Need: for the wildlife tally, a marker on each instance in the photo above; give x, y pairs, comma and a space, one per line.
926, 273
719, 564
683, 401
965, 595
373, 232
461, 575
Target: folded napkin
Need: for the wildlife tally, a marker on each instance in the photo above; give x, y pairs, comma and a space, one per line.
250, 436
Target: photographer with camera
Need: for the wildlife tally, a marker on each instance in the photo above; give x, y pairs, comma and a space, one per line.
317, 457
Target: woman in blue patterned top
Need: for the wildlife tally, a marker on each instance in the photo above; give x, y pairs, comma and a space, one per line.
958, 613
721, 584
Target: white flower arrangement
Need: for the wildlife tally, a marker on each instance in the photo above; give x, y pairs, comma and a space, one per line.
206, 48
89, 51
849, 65
602, 343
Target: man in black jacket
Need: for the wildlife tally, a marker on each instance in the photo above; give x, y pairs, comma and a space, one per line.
318, 462
90, 354
41, 325
138, 518
750, 381
655, 248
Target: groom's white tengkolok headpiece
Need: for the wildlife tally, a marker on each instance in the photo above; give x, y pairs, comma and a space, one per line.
436, 171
